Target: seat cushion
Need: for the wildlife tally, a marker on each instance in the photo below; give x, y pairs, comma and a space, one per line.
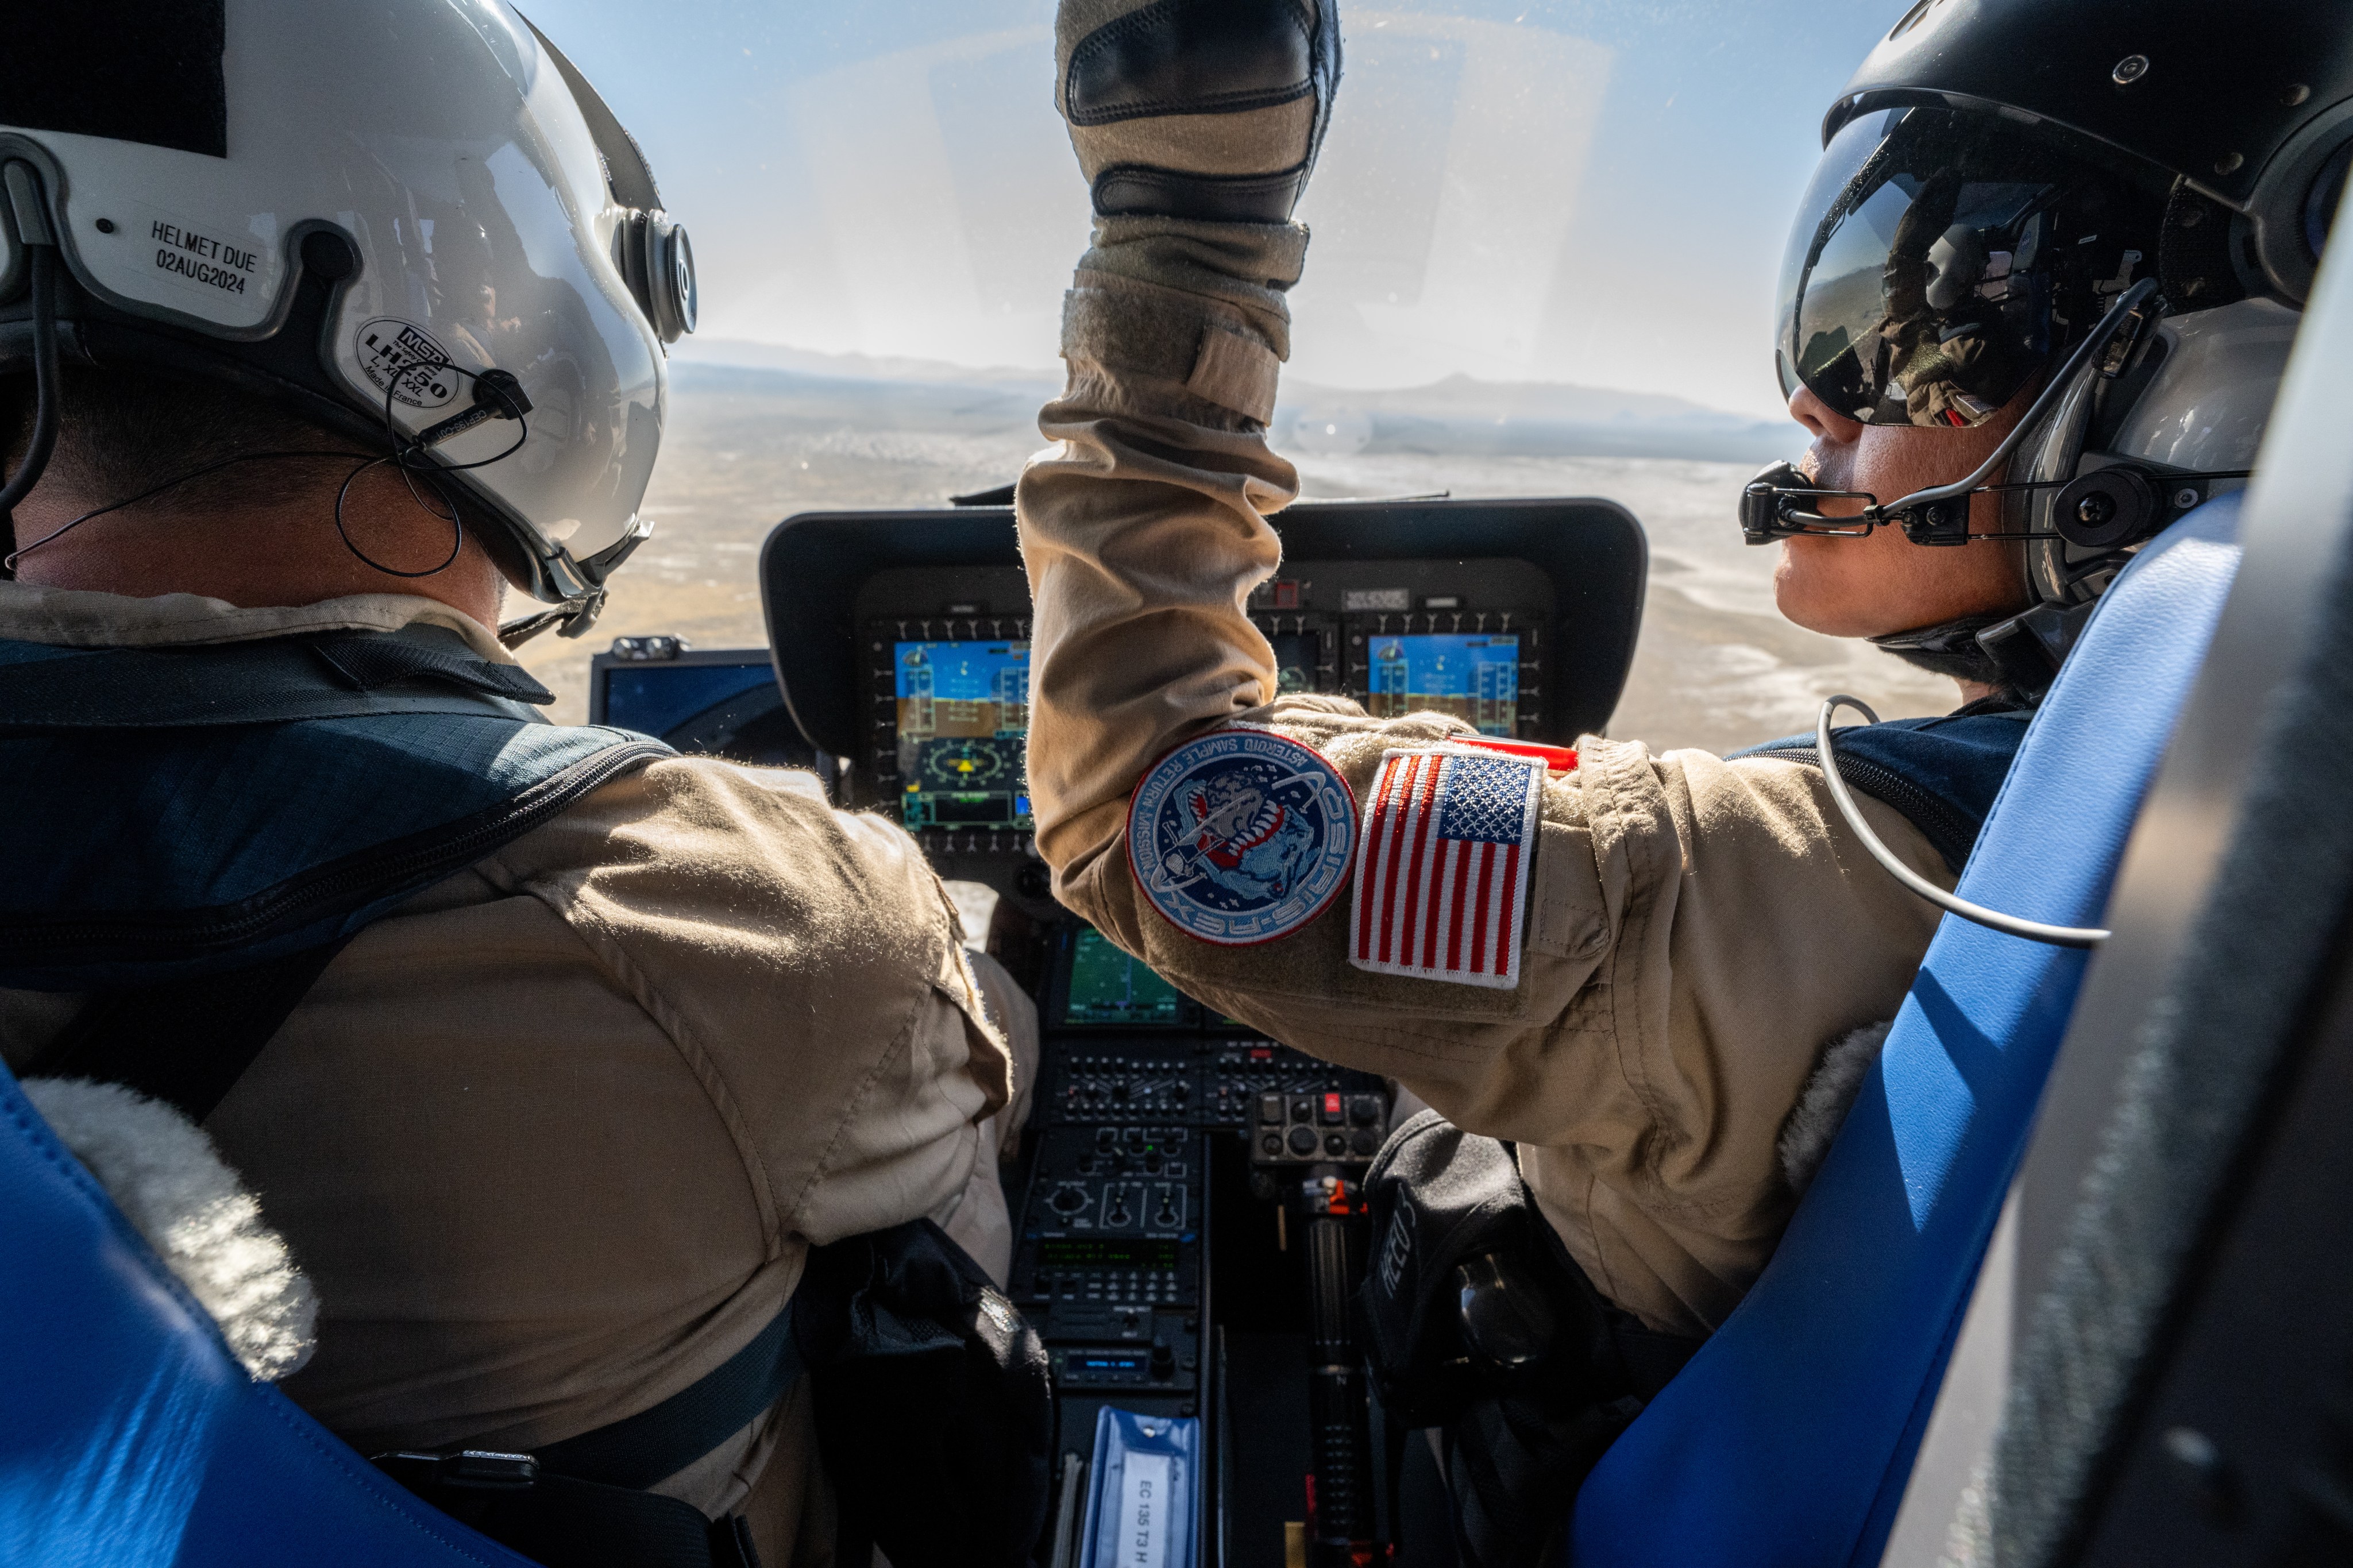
1789, 1438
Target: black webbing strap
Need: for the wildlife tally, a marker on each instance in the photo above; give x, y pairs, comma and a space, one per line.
581, 1503
186, 1042
639, 1450
559, 1522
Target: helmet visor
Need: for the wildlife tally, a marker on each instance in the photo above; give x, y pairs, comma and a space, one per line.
1943, 259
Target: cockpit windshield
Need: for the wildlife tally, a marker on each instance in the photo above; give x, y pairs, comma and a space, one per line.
1546, 238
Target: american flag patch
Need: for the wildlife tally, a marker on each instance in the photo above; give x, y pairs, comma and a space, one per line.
1442, 866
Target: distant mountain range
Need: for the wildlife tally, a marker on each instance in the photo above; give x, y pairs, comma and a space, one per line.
1458, 415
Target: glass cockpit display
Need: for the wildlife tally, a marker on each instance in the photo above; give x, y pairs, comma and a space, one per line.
1473, 678
963, 722
1297, 655
1107, 986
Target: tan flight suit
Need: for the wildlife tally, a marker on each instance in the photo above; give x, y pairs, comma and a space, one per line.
552, 1139
1701, 931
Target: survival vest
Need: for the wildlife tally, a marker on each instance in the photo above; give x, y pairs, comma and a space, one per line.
1941, 774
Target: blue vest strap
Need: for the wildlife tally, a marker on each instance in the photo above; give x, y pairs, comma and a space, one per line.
185, 812
420, 669
1941, 774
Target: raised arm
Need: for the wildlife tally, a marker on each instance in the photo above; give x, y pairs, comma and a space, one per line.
1670, 942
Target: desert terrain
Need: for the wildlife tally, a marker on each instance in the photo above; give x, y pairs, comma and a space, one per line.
1717, 668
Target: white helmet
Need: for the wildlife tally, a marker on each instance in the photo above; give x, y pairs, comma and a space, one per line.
355, 211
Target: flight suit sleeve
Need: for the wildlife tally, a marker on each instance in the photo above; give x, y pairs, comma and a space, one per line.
1698, 931
805, 962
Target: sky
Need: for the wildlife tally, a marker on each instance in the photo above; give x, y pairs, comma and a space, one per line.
1586, 191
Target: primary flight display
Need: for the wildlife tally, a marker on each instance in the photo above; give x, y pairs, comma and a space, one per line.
964, 723
1475, 679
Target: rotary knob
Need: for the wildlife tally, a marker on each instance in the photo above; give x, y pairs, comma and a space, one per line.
1303, 1141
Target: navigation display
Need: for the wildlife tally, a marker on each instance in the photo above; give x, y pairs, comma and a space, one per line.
964, 719
1296, 654
655, 698
1475, 679
1109, 987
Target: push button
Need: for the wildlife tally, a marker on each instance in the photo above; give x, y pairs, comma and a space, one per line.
1331, 1111
1270, 1108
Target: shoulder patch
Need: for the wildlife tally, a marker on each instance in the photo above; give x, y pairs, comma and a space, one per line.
1241, 836
1443, 864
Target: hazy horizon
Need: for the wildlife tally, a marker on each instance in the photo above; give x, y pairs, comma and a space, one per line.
1716, 668
789, 358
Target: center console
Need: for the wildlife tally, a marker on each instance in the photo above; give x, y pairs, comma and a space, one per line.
1188, 1218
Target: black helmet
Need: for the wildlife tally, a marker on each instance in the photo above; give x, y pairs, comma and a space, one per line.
2246, 107
2089, 200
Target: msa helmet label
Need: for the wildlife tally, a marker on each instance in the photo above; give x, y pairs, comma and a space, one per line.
199, 260
1241, 836
405, 361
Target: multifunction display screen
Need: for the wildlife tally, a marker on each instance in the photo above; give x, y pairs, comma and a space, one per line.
964, 719
655, 698
1081, 1252
1476, 679
1296, 655
1109, 987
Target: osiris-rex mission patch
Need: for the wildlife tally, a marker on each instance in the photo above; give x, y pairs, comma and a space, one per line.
1241, 836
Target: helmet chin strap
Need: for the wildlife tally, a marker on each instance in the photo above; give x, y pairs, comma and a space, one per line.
2048, 441
573, 617
1950, 649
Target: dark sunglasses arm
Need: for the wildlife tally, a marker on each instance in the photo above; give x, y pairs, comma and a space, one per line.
2130, 301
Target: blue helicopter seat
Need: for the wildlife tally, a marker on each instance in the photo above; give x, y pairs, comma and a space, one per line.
131, 1437
1789, 1438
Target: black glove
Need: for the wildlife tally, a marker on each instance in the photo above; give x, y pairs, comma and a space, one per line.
1204, 110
